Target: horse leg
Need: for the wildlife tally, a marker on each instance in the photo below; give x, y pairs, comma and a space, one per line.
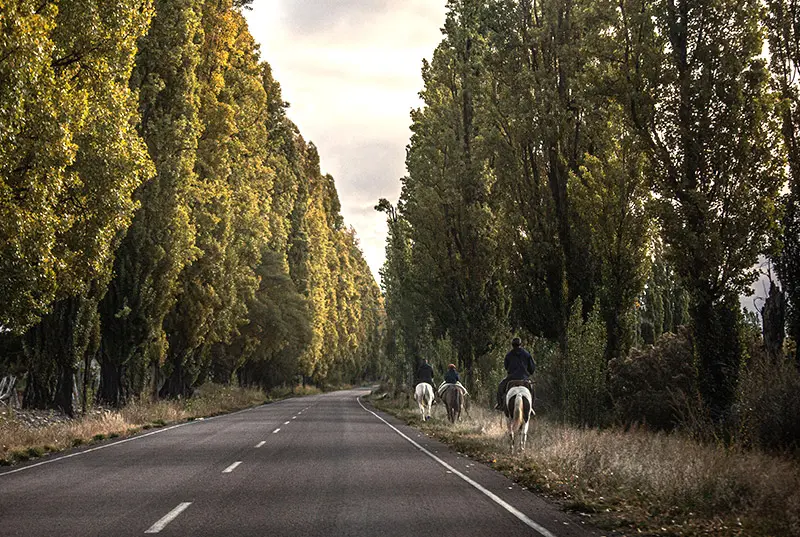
524, 437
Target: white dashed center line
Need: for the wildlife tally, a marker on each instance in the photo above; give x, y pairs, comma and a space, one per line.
230, 468
286, 423
261, 443
276, 430
294, 417
169, 517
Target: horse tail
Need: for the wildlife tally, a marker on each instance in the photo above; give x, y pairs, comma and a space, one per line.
526, 409
519, 412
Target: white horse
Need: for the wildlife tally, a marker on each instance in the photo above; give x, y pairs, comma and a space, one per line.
423, 395
518, 414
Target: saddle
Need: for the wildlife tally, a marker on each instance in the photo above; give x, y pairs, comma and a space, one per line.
523, 383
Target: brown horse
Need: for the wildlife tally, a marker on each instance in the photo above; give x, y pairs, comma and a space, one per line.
453, 397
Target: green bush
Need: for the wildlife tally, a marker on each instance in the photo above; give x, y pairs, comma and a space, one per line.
584, 390
655, 385
768, 409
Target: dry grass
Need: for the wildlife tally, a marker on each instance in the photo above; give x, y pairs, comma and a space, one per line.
636, 480
21, 442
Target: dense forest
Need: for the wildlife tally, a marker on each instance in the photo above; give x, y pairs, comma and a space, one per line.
162, 222
605, 178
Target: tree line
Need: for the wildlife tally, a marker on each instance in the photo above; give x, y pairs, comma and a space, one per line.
596, 174
161, 219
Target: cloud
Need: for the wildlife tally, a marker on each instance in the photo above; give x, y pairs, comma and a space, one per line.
312, 17
351, 71
316, 21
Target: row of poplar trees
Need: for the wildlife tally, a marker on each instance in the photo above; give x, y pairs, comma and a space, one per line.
619, 156
159, 214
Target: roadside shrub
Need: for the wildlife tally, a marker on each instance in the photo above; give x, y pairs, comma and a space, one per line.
585, 394
768, 409
655, 385
548, 377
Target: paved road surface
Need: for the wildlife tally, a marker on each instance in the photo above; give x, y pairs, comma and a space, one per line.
314, 466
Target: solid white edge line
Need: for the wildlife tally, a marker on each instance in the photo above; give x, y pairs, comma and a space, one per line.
230, 468
491, 495
169, 517
261, 443
131, 439
276, 430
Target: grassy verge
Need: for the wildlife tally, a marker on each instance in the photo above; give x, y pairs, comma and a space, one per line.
19, 442
635, 481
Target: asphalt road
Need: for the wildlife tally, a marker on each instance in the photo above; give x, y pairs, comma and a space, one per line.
324, 465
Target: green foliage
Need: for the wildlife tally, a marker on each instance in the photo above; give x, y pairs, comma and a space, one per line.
37, 120
584, 387
161, 239
279, 329
160, 214
664, 305
89, 50
609, 196
70, 157
655, 385
446, 199
698, 94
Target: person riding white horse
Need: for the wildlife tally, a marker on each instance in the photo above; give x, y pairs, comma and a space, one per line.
519, 366
423, 395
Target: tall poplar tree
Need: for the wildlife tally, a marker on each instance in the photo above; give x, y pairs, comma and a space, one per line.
160, 241
783, 24
91, 58
446, 196
700, 99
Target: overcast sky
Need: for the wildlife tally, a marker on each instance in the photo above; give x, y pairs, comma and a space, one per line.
351, 71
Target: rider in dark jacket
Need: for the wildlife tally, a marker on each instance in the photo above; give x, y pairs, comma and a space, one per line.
519, 365
425, 374
451, 377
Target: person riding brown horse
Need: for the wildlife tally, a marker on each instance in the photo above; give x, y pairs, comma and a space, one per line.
452, 393
519, 365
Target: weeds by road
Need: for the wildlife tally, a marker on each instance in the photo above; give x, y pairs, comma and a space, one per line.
635, 482
20, 441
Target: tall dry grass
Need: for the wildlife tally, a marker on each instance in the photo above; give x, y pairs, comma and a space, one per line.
662, 484
19, 441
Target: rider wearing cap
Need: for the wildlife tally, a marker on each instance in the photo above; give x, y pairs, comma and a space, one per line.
451, 377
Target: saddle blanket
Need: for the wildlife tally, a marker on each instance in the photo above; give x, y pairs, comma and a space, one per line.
458, 385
